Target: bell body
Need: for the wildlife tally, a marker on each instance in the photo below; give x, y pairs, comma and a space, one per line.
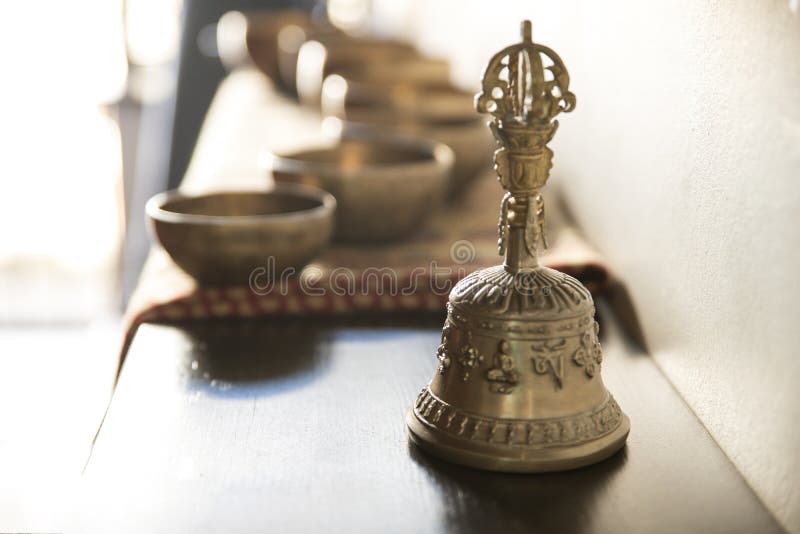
518, 386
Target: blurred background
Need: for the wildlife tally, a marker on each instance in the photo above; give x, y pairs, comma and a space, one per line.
680, 166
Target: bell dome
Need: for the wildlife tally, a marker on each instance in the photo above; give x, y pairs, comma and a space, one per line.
541, 293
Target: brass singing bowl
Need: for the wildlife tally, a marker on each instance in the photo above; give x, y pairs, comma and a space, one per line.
326, 41
435, 110
372, 59
386, 186
410, 69
290, 39
224, 238
261, 36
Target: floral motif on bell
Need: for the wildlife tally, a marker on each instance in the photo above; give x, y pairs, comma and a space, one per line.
589, 355
469, 357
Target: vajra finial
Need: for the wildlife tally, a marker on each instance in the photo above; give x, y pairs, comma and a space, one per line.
527, 31
524, 87
525, 83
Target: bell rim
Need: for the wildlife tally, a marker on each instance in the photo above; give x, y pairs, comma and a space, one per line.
490, 457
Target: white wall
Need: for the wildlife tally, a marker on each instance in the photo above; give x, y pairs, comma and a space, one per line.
682, 161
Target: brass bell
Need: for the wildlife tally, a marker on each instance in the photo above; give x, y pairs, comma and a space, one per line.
518, 385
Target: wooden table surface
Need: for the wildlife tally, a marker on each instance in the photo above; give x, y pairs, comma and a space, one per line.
292, 425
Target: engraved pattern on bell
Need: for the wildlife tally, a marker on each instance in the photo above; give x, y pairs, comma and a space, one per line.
518, 384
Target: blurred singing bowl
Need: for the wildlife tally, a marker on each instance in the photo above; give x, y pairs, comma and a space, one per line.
385, 186
224, 238
261, 35
372, 59
290, 38
413, 69
438, 111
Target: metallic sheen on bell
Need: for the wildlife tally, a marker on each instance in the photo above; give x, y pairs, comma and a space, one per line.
518, 385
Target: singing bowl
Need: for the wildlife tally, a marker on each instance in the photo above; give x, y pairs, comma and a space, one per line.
222, 238
261, 36
290, 39
373, 59
438, 111
386, 187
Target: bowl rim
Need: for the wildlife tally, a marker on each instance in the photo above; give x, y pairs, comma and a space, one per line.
327, 205
439, 154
